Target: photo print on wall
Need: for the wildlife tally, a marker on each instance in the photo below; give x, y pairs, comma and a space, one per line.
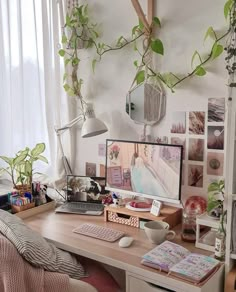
179, 141
196, 149
90, 169
216, 109
195, 175
215, 163
197, 123
178, 123
215, 137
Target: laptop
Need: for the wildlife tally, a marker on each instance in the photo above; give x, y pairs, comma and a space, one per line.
83, 195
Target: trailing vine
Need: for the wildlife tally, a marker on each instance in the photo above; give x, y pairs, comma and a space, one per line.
79, 32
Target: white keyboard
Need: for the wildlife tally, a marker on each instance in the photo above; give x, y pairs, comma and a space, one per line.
99, 232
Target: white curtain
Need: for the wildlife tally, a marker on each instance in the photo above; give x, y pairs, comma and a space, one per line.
32, 101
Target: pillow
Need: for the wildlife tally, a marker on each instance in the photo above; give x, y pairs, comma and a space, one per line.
36, 250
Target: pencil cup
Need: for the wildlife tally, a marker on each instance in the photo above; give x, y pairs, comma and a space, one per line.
158, 231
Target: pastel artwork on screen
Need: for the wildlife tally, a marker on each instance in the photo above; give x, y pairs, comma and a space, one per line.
150, 169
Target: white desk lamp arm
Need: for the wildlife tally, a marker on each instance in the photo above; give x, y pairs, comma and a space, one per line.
59, 132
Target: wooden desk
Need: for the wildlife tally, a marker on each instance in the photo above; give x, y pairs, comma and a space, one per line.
57, 228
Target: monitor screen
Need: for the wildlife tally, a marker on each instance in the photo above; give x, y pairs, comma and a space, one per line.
144, 169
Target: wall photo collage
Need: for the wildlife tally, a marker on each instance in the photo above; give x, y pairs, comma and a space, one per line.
202, 136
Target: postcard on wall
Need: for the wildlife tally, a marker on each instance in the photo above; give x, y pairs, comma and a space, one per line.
195, 175
179, 141
102, 150
102, 170
215, 137
178, 122
216, 109
197, 123
90, 169
196, 149
215, 163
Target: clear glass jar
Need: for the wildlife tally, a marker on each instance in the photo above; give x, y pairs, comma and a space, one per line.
189, 225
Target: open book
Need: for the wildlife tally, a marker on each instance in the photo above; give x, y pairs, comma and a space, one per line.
179, 261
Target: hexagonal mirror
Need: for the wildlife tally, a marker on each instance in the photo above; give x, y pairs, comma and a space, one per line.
146, 103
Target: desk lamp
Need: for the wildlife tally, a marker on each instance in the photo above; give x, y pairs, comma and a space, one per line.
91, 127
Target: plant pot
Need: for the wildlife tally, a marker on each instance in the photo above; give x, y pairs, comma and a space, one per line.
22, 189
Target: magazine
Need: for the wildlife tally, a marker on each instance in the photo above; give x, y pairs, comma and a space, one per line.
177, 260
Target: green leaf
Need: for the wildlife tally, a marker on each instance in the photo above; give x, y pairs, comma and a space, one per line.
68, 20
8, 160
156, 20
135, 29
64, 39
66, 87
94, 64
75, 61
38, 149
227, 8
18, 159
28, 169
157, 46
136, 63
65, 75
200, 71
61, 52
213, 187
141, 26
140, 76
210, 33
70, 92
67, 61
194, 56
119, 41
217, 50
42, 158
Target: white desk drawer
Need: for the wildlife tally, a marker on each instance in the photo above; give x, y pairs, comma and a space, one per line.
138, 285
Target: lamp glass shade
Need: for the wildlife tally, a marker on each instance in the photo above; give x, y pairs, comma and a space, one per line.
93, 127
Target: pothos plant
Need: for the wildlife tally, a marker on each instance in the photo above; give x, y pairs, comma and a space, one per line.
80, 31
215, 200
21, 167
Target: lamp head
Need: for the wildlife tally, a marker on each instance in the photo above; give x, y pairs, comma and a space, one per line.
92, 126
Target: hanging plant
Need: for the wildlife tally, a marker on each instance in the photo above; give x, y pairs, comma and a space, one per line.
80, 32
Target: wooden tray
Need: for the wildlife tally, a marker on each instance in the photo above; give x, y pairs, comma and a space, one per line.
36, 210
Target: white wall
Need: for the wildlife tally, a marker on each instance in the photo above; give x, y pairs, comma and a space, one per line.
184, 23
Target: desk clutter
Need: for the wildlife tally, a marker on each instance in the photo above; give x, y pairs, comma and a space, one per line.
21, 200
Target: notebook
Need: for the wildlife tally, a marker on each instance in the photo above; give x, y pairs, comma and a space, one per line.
178, 261
83, 193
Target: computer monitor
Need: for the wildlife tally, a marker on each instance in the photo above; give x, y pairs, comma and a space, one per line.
148, 170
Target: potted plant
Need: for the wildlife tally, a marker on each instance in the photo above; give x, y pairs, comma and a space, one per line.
215, 200
21, 167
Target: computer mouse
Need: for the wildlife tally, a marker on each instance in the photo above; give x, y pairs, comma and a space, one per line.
125, 241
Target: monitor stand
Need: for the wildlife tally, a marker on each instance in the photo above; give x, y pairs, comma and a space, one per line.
122, 215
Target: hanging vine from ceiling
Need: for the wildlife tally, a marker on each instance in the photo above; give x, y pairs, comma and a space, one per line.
80, 32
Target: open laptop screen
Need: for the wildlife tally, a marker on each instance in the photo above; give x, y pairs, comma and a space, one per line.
85, 188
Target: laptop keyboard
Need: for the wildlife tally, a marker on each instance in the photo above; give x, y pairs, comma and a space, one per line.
81, 208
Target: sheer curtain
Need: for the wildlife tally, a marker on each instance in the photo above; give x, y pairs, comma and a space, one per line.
32, 100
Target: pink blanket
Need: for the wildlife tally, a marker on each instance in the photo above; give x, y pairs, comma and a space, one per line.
18, 275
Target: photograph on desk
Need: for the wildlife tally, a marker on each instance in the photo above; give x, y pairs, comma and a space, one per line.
85, 188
